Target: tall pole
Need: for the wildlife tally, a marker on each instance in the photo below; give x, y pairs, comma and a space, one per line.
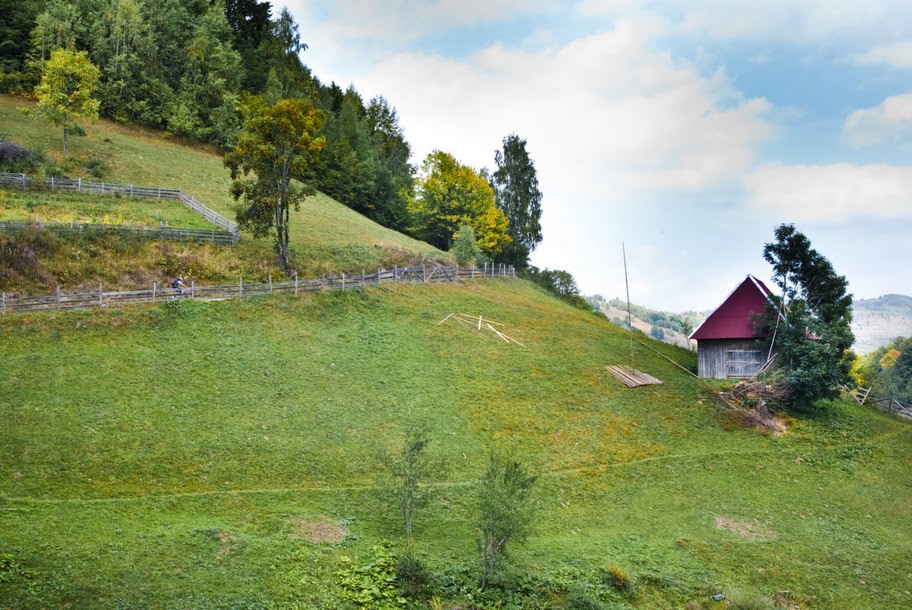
629, 317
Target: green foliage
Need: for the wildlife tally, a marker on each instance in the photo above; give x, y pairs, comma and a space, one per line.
17, 159
579, 599
261, 412
657, 333
413, 578
11, 569
751, 603
409, 469
372, 585
814, 341
275, 146
15, 27
516, 187
561, 284
888, 370
205, 106
619, 580
66, 91
465, 247
505, 511
449, 195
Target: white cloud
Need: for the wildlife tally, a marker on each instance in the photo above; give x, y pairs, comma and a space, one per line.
603, 106
890, 120
832, 193
770, 21
395, 21
896, 55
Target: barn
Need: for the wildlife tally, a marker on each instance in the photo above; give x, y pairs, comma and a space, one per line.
727, 340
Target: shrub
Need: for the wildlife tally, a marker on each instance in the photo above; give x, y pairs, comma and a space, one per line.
618, 578
371, 585
413, 578
97, 167
18, 160
505, 510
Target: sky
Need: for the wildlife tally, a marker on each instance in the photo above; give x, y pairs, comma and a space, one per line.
679, 132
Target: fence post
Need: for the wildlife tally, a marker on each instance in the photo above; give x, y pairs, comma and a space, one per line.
270, 283
52, 183
423, 273
485, 272
379, 271
343, 282
100, 296
192, 289
323, 283
362, 278
296, 283
58, 297
395, 273
154, 286
241, 286
3, 303
131, 191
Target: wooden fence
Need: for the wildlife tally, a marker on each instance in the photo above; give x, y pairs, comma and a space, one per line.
129, 190
417, 274
890, 405
217, 236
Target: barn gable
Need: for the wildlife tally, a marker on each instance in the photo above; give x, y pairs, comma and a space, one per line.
727, 339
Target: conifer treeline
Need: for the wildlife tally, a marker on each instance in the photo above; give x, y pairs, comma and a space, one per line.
196, 67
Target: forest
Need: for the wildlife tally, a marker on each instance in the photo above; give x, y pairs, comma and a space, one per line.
203, 70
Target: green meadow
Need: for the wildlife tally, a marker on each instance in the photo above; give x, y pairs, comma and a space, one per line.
229, 455
326, 237
181, 456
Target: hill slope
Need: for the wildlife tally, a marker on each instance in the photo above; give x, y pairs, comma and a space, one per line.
184, 455
326, 237
878, 321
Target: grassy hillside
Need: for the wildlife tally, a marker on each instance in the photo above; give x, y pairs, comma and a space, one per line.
326, 237
185, 456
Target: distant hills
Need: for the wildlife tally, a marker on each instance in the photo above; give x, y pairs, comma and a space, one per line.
876, 321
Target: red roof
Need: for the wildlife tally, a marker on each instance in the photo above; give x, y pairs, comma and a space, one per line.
733, 319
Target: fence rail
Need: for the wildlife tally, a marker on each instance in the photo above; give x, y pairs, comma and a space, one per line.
128, 190
412, 275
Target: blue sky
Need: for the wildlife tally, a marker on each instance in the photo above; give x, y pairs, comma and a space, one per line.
684, 129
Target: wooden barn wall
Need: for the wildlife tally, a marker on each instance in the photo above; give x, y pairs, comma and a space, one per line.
713, 358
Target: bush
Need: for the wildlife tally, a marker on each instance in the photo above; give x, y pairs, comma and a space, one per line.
506, 513
97, 167
17, 159
413, 578
618, 578
371, 585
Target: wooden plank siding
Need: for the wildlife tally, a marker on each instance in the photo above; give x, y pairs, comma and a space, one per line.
728, 358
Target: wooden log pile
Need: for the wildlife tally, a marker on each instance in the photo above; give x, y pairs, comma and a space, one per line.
631, 377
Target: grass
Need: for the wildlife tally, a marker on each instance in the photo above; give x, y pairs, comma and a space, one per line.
325, 236
160, 457
18, 205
